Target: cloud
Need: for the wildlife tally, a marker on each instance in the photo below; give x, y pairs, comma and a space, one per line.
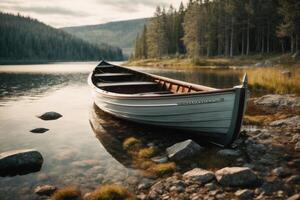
134, 5
60, 13
48, 10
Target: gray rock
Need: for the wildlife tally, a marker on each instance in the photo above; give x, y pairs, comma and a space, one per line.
201, 175
145, 185
86, 196
160, 159
276, 100
259, 64
291, 121
296, 138
50, 116
211, 186
295, 55
244, 194
45, 190
229, 153
237, 177
269, 187
20, 162
142, 196
294, 197
295, 179
281, 172
268, 63
39, 130
183, 149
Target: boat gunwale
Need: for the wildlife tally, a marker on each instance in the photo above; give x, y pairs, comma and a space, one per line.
154, 96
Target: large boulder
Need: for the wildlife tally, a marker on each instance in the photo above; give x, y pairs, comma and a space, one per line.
20, 162
237, 177
183, 149
50, 116
200, 175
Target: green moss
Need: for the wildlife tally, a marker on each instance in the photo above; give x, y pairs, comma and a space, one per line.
131, 143
111, 192
164, 168
66, 194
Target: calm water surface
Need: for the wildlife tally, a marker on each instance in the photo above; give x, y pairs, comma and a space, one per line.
72, 153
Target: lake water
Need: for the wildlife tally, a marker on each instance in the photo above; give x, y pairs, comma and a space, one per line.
73, 152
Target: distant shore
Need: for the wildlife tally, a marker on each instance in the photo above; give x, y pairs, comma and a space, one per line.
223, 62
29, 62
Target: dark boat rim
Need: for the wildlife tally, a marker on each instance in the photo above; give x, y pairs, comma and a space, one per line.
155, 96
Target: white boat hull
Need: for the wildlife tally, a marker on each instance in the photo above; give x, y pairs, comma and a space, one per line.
215, 113
209, 114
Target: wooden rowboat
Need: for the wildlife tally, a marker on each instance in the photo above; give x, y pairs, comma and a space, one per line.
155, 100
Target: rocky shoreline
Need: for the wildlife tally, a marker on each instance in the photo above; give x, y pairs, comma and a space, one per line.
264, 163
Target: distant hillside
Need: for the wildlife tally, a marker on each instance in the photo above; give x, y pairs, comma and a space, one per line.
26, 39
120, 33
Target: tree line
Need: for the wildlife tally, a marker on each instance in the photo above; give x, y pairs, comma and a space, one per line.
221, 28
26, 39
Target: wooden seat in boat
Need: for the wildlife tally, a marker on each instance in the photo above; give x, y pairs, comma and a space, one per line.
121, 84
113, 74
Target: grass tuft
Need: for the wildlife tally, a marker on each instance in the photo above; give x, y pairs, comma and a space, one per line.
164, 168
131, 144
146, 152
111, 192
67, 193
273, 80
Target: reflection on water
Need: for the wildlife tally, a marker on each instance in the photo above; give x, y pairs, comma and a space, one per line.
112, 132
72, 155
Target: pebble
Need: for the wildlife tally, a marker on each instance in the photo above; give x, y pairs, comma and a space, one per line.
244, 194
45, 190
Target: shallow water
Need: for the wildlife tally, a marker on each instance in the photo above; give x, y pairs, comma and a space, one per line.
73, 153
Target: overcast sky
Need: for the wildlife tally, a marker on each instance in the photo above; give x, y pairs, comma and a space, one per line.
61, 13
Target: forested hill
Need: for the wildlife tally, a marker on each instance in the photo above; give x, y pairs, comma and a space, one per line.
222, 28
120, 33
26, 39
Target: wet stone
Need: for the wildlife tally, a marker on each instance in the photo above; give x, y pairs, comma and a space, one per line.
20, 162
39, 130
50, 116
